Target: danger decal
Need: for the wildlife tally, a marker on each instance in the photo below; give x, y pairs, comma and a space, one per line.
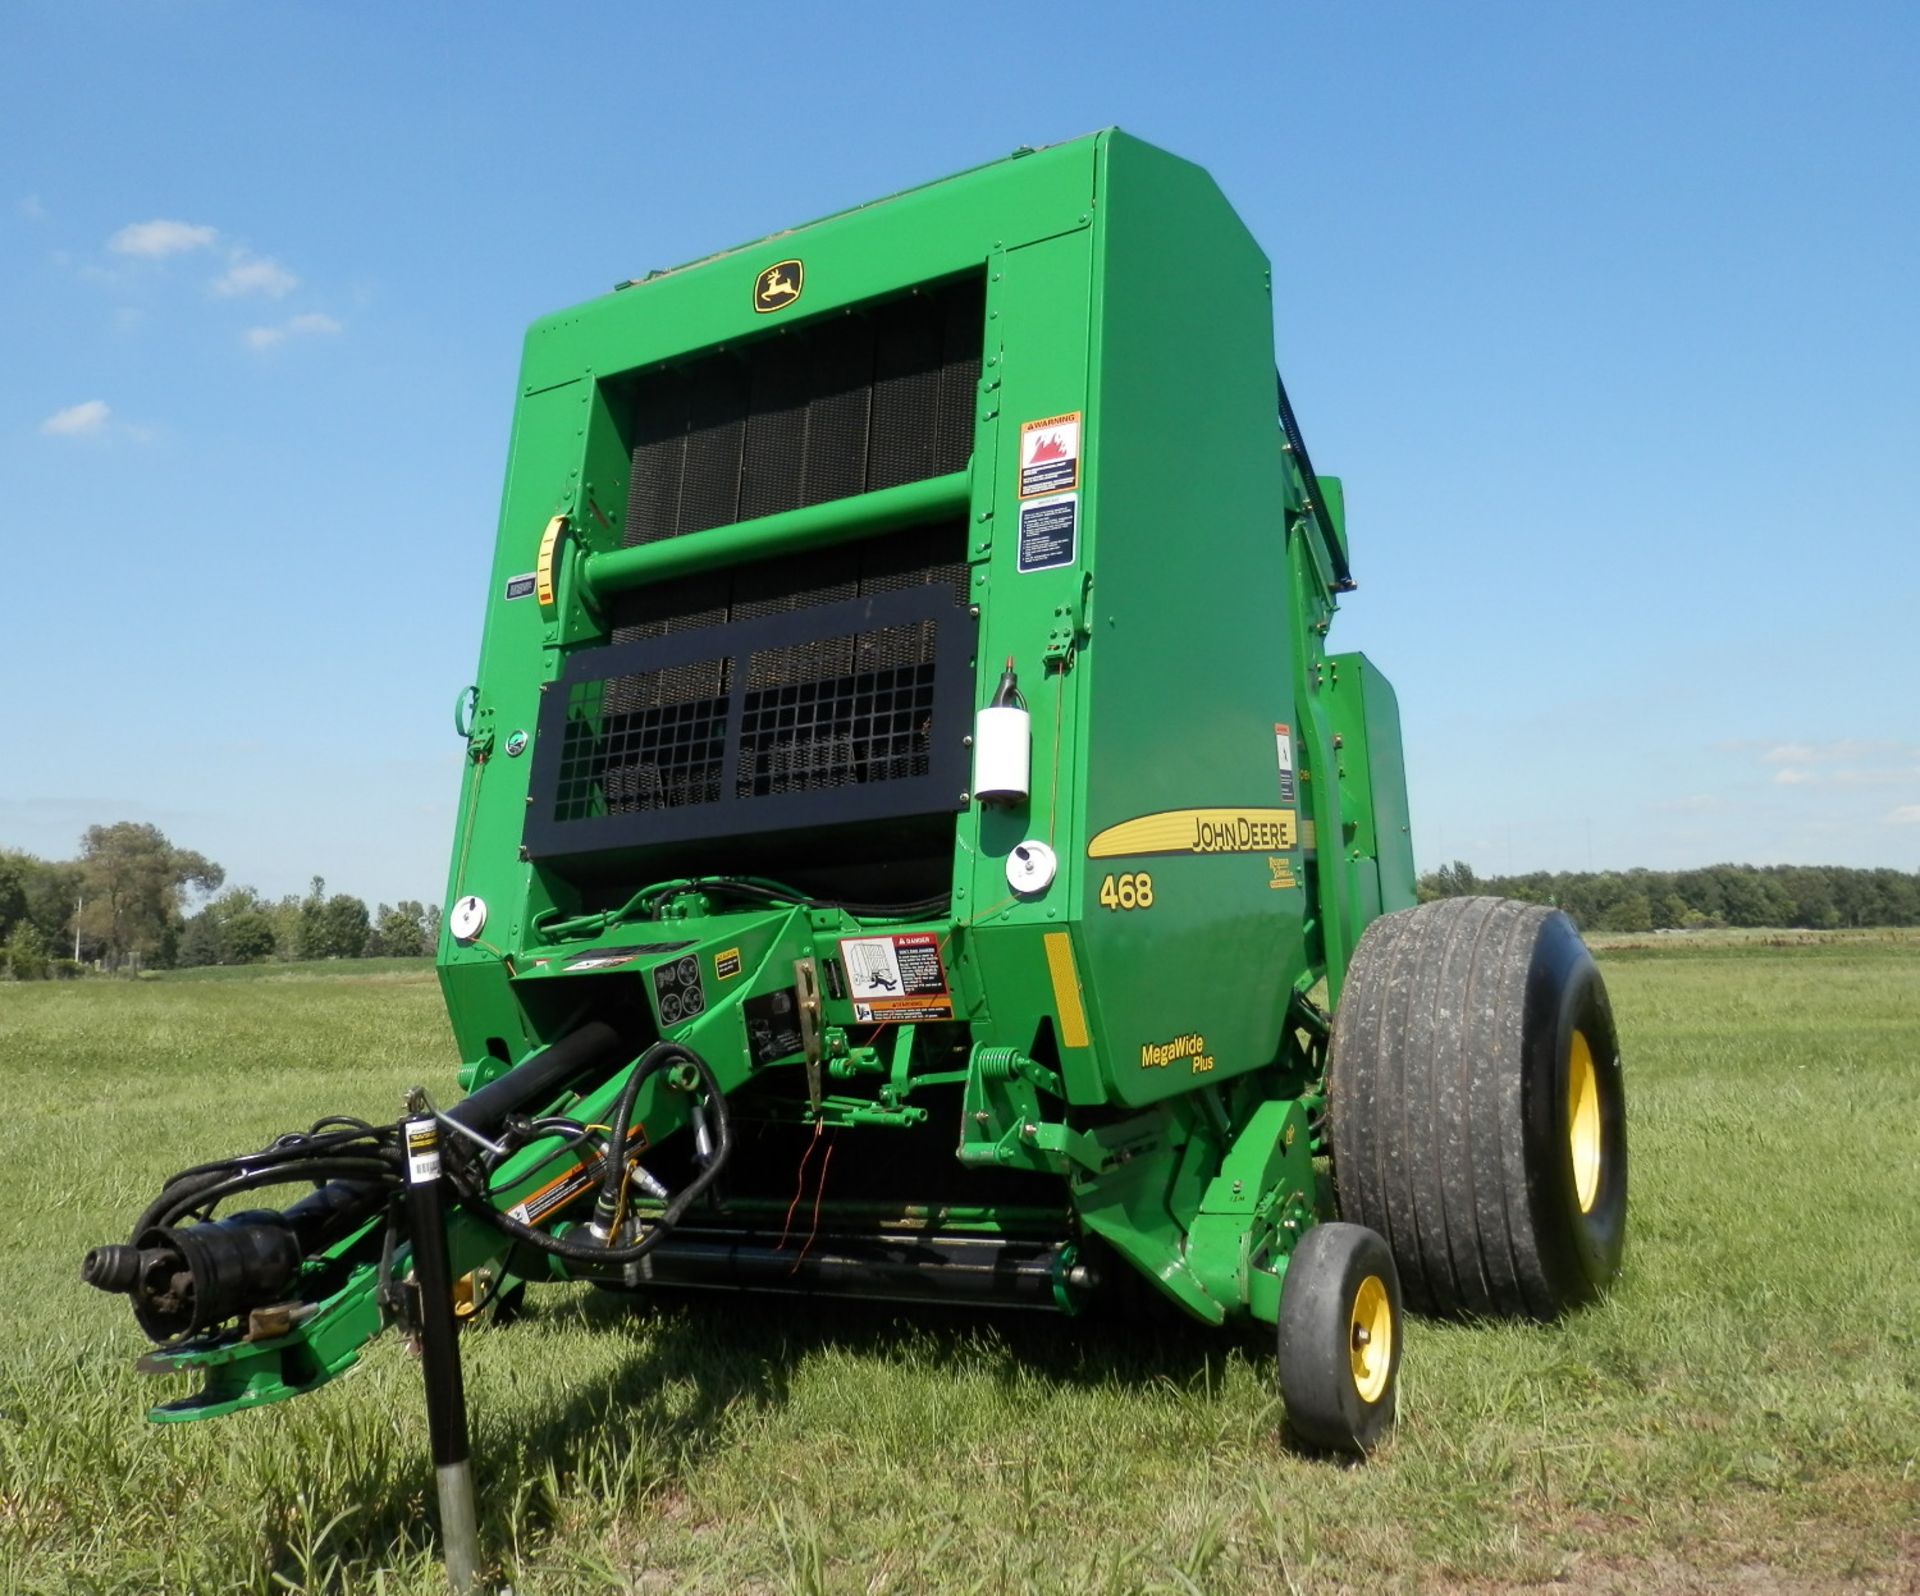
896, 979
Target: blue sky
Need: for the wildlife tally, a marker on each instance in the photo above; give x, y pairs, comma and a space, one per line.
1608, 316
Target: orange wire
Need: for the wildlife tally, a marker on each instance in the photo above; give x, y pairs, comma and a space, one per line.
819, 1192
800, 1186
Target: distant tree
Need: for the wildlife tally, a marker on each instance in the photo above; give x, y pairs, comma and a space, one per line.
1631, 913
26, 953
51, 888
1455, 880
249, 934
13, 893
332, 927
400, 931
200, 942
234, 928
135, 882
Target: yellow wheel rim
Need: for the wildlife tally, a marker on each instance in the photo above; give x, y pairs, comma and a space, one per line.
1370, 1338
1583, 1122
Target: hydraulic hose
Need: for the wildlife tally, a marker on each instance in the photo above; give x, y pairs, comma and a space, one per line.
650, 1063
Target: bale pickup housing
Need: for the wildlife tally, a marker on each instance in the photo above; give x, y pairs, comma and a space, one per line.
906, 765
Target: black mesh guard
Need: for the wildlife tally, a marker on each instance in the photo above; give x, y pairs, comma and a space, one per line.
830, 715
806, 414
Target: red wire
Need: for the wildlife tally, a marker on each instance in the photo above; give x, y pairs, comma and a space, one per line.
800, 1185
819, 1192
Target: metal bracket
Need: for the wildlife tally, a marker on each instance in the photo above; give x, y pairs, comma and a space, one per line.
806, 980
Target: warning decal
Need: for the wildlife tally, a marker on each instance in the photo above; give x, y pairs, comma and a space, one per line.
1050, 455
1047, 532
897, 978
1283, 750
574, 1181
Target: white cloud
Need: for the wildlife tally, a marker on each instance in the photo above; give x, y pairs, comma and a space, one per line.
1791, 777
31, 208
160, 237
1904, 815
308, 324
77, 421
1848, 748
255, 274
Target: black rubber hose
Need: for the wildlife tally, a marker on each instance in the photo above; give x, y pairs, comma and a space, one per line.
655, 1059
539, 1080
377, 1172
579, 1252
205, 1177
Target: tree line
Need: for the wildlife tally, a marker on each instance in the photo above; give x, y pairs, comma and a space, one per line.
1816, 897
132, 900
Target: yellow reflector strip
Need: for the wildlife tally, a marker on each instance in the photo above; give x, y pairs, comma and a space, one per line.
543, 567
1066, 990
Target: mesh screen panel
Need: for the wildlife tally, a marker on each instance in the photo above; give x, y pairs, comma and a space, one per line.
821, 688
809, 414
800, 708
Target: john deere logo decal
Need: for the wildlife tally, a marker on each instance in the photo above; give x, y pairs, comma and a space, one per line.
778, 286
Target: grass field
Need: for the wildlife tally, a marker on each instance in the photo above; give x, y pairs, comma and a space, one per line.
1743, 1413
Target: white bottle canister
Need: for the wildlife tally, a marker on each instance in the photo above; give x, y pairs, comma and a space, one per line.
1002, 746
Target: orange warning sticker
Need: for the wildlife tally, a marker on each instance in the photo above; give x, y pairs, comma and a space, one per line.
1050, 455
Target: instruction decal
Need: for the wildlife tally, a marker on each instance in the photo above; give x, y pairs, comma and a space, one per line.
1197, 831
613, 958
677, 992
1050, 455
773, 1025
1047, 532
726, 964
896, 979
423, 1152
1283, 751
519, 587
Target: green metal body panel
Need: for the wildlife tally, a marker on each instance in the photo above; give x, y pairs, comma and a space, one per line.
1226, 800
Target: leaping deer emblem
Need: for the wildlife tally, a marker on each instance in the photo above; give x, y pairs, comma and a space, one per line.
775, 287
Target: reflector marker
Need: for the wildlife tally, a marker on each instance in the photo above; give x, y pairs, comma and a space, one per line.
1066, 990
543, 567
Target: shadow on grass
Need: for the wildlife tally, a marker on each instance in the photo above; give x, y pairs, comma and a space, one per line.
698, 1363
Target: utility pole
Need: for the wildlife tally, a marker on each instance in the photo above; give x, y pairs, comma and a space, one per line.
78, 904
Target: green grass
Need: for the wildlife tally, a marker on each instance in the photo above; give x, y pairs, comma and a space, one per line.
1743, 1411
294, 969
